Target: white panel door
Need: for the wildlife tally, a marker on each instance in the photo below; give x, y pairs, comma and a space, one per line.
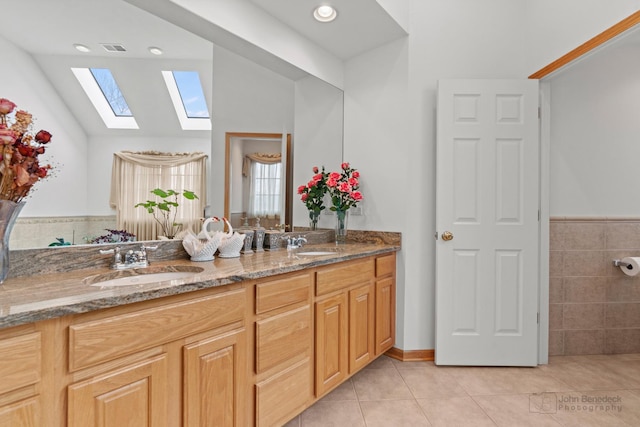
487, 202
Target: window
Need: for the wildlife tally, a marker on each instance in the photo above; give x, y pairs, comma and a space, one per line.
188, 99
111, 91
135, 175
106, 97
264, 200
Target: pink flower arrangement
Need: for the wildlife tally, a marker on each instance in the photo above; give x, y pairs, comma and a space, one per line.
312, 194
343, 188
19, 151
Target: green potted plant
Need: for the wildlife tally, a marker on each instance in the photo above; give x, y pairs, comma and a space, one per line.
165, 211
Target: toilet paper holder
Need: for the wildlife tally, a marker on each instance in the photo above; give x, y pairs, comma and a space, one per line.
620, 263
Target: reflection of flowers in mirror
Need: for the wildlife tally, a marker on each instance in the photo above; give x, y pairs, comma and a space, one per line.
165, 211
113, 236
312, 195
19, 166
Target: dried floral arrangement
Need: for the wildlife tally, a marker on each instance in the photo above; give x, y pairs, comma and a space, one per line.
20, 167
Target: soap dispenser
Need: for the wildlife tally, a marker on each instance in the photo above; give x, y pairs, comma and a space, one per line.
248, 232
258, 240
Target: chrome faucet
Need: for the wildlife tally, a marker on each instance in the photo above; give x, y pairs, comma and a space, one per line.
131, 259
294, 242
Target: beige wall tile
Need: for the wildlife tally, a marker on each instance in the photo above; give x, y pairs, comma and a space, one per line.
556, 316
585, 289
622, 235
622, 315
583, 316
556, 290
584, 236
623, 288
583, 342
556, 235
556, 343
584, 263
555, 263
620, 341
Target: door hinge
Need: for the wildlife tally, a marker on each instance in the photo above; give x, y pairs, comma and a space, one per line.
539, 216
538, 318
539, 112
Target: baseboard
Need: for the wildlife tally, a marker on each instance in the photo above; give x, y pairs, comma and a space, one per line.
410, 355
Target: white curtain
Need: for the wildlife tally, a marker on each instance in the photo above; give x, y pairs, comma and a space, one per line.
135, 175
265, 176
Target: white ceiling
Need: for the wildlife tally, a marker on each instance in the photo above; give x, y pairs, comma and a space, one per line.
58, 24
360, 26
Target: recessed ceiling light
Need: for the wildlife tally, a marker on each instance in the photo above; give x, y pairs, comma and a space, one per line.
325, 13
156, 50
81, 48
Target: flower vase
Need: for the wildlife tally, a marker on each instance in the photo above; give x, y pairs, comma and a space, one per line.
313, 220
342, 217
9, 212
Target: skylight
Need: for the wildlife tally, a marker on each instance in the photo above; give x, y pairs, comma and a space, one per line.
106, 97
188, 99
111, 91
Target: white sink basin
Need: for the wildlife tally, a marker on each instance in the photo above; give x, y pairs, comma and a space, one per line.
142, 276
316, 253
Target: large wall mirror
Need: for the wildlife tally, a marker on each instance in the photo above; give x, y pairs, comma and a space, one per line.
242, 96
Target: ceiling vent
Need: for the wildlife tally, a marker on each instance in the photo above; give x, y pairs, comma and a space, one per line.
113, 47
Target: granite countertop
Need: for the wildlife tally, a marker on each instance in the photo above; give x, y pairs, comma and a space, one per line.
34, 298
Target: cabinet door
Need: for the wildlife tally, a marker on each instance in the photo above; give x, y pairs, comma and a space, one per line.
132, 396
361, 326
215, 381
385, 314
24, 413
331, 342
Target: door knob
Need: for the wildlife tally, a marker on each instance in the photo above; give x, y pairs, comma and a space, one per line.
447, 235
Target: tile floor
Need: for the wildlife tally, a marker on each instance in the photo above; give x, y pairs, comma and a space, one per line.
569, 391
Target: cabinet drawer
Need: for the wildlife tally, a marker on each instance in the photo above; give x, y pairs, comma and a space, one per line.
334, 278
282, 396
385, 265
281, 337
280, 293
20, 363
105, 339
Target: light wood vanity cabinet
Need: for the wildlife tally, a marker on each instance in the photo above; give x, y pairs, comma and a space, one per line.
352, 324
253, 353
283, 348
385, 289
135, 365
20, 378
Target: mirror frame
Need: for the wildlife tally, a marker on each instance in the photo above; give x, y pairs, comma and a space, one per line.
288, 204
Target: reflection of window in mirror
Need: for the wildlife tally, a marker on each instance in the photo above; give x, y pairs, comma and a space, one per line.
263, 175
136, 175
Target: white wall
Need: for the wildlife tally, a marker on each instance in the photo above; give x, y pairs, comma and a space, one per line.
595, 152
64, 192
317, 139
246, 98
390, 116
554, 28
